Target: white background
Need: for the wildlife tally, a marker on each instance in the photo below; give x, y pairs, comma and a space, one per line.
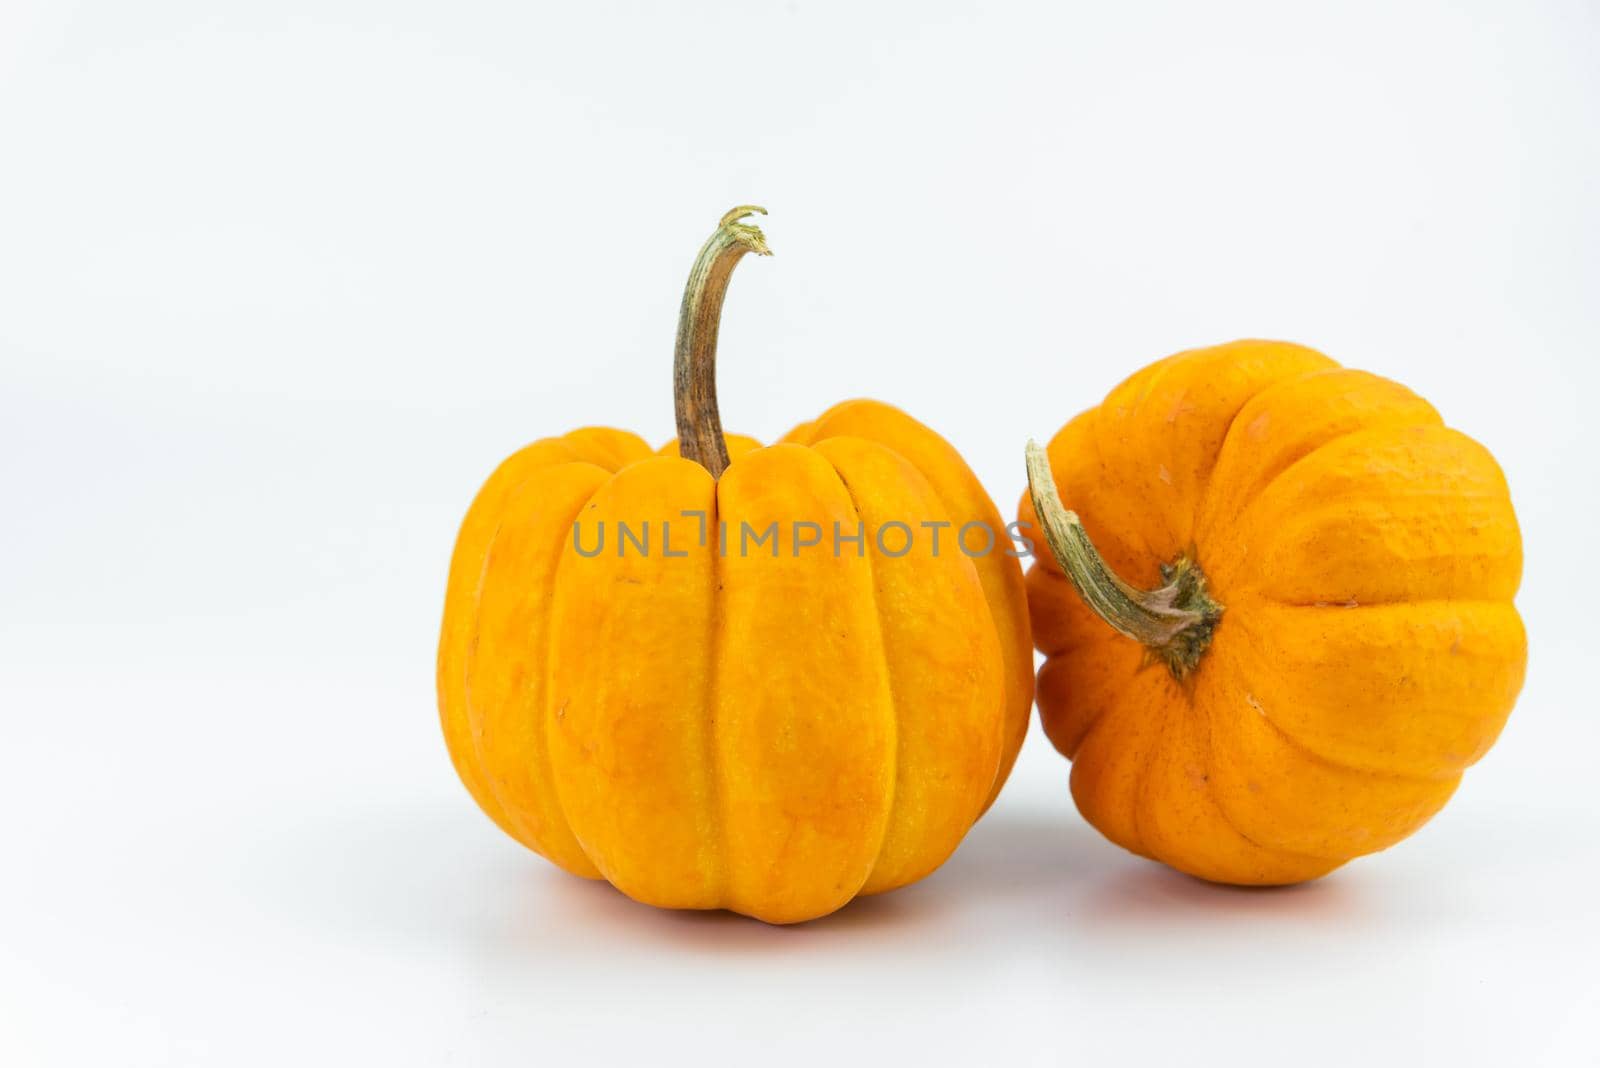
281, 282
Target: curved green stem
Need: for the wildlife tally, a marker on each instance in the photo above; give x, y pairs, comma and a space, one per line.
1174, 621
694, 369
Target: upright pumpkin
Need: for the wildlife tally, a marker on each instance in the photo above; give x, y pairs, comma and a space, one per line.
708, 675
1308, 581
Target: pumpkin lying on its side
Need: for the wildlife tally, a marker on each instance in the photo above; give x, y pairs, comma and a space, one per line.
770, 729
1319, 581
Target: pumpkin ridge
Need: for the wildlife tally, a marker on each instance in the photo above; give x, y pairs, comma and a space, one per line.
454, 656
1312, 755
474, 722
804, 715
1250, 576
474, 735
1209, 798
571, 854
606, 442
947, 469
1340, 856
1131, 535
1203, 496
1475, 714
1454, 779
561, 804
1227, 817
508, 819
542, 714
610, 740
1305, 376
1160, 736
1153, 376
1312, 453
1088, 728
1227, 432
1090, 733
895, 753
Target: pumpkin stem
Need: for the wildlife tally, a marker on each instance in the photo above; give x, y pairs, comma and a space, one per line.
694, 368
1173, 621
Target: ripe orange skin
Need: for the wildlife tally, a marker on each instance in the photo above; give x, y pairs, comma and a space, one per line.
1367, 557
771, 735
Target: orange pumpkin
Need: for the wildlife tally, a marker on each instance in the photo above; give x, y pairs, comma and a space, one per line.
1308, 581
631, 689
